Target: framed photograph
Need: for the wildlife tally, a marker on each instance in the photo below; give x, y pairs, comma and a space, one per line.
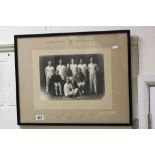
80, 78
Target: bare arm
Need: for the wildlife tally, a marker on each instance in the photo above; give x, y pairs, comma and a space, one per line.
45, 70
53, 70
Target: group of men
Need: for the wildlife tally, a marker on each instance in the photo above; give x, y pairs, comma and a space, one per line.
71, 79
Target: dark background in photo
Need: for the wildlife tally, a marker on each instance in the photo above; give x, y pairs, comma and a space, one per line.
98, 59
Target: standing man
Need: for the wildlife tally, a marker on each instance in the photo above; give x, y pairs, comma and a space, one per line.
73, 67
49, 72
92, 68
83, 68
61, 69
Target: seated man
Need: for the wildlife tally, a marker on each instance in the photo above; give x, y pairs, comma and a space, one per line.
67, 72
81, 81
68, 89
56, 79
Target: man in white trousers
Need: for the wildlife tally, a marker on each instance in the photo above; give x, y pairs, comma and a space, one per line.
49, 72
92, 68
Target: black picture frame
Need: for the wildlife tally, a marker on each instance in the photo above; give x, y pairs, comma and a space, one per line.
16, 37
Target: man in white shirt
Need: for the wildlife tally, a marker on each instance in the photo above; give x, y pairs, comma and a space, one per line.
73, 67
83, 68
68, 89
92, 68
61, 69
49, 72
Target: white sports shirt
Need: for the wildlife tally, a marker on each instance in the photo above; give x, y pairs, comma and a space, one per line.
92, 68
49, 70
67, 88
73, 68
61, 69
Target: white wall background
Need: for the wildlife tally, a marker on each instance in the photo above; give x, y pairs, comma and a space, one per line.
146, 39
146, 55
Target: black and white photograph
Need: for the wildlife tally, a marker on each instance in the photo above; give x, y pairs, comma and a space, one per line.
78, 76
